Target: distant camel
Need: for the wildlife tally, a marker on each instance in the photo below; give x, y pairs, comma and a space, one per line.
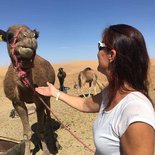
88, 76
26, 71
61, 76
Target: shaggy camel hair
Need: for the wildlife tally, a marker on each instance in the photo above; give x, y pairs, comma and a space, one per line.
22, 44
61, 76
88, 75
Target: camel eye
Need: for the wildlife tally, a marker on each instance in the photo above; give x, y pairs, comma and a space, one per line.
24, 34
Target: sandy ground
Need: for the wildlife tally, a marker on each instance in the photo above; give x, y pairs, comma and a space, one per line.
78, 123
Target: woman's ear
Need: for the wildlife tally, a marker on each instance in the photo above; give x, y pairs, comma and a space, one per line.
112, 55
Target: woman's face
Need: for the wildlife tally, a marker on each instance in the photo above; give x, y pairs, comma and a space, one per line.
103, 62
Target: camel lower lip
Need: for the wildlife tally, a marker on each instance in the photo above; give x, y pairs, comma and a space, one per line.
26, 52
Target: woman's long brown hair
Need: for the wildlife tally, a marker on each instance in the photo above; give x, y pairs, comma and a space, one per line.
131, 62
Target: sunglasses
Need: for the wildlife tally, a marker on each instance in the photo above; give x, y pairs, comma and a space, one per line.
102, 46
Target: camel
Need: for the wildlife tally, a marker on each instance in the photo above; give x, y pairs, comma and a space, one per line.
88, 75
61, 76
26, 71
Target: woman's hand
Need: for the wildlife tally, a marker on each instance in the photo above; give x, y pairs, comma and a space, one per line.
50, 90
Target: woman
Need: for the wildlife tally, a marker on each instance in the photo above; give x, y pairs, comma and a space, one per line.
126, 120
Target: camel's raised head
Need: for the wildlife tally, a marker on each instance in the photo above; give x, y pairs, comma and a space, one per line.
22, 45
60, 69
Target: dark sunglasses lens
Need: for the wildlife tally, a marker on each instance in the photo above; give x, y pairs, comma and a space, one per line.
99, 47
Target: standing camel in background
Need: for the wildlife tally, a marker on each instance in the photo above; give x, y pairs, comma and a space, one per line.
26, 71
61, 76
88, 76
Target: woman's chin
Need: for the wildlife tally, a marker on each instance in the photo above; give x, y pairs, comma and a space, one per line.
101, 70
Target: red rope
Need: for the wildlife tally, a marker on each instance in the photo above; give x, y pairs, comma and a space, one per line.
13, 48
21, 73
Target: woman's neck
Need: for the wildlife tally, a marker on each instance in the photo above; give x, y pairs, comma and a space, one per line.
120, 94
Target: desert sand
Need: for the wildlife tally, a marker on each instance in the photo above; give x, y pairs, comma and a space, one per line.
77, 122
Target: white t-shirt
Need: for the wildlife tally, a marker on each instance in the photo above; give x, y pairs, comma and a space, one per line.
111, 125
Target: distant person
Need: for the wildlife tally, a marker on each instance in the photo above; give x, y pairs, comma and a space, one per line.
126, 120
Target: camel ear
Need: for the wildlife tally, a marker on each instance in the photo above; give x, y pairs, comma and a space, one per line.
10, 37
36, 33
3, 35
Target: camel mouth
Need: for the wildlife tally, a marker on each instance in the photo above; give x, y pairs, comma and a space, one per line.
25, 57
26, 64
26, 52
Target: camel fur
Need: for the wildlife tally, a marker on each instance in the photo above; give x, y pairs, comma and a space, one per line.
22, 45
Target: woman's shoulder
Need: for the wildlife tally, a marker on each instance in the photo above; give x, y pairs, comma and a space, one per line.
136, 107
136, 102
137, 98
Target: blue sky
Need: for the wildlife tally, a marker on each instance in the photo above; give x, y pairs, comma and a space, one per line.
70, 29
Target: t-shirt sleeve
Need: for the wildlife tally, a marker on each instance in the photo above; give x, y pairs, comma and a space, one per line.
136, 112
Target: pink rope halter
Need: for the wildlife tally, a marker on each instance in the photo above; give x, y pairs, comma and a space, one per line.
21, 73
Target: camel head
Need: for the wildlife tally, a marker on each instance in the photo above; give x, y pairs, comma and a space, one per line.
22, 44
60, 69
